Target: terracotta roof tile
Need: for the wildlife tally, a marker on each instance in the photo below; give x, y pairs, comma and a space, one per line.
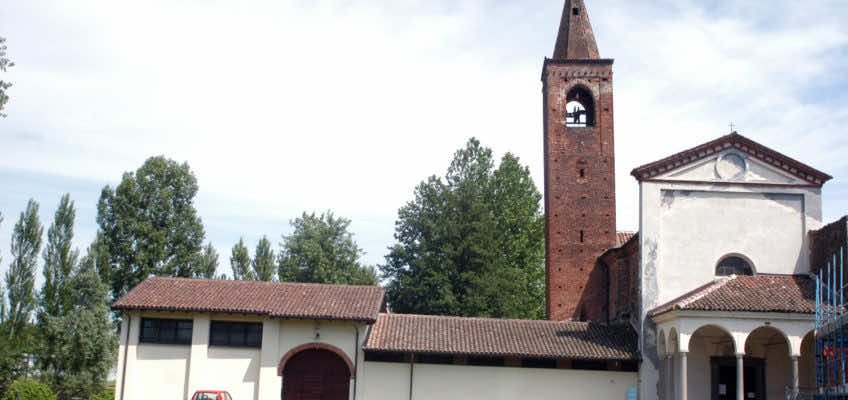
758, 293
501, 337
276, 299
622, 237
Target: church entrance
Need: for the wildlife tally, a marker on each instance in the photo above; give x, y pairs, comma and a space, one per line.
316, 374
724, 378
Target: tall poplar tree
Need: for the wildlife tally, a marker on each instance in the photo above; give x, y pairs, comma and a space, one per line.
264, 266
471, 243
149, 224
60, 259
60, 262
207, 263
2, 290
322, 250
20, 278
85, 337
5, 63
240, 262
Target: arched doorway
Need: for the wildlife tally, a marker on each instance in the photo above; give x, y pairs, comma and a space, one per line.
769, 345
711, 368
315, 373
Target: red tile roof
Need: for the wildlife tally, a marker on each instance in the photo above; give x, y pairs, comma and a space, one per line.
430, 334
758, 293
275, 299
733, 140
622, 237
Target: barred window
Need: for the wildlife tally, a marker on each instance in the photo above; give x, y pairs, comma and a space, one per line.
236, 334
165, 331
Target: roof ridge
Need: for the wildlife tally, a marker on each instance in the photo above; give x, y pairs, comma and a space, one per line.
458, 317
258, 282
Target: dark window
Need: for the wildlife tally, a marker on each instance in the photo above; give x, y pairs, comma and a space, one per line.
385, 357
581, 236
734, 266
486, 361
582, 173
590, 365
237, 334
575, 11
538, 363
435, 359
165, 331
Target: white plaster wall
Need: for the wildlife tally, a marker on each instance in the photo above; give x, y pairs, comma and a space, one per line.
434, 381
247, 373
233, 369
159, 372
383, 381
696, 225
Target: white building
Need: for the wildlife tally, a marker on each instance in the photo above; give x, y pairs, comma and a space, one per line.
263, 340
711, 299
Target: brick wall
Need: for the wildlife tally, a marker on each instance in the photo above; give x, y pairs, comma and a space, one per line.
576, 285
622, 265
825, 243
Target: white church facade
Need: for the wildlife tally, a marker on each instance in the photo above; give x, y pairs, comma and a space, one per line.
711, 299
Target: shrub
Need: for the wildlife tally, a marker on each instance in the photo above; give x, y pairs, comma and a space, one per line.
28, 389
106, 394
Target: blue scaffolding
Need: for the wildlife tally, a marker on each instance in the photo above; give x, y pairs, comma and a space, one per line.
831, 324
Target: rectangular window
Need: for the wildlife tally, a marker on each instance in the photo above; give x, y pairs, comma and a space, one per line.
165, 331
236, 334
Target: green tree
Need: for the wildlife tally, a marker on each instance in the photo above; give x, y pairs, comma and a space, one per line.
471, 244
20, 278
263, 261
240, 262
2, 291
149, 224
59, 259
207, 263
98, 251
86, 337
5, 63
28, 389
322, 250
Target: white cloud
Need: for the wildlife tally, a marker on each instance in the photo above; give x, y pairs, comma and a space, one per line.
286, 106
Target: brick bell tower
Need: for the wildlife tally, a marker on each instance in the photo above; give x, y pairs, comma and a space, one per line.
579, 170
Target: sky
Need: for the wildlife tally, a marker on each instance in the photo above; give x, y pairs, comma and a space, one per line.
287, 106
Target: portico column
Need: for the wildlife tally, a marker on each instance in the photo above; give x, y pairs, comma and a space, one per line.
668, 387
740, 376
795, 380
684, 386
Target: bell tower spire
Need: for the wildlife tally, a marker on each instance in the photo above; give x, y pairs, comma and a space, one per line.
575, 39
579, 171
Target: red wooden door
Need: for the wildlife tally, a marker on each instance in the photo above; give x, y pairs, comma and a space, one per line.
316, 375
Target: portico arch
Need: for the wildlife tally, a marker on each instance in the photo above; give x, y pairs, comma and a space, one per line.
769, 346
316, 346
807, 363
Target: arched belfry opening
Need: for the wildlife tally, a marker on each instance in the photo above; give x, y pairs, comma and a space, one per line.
580, 108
